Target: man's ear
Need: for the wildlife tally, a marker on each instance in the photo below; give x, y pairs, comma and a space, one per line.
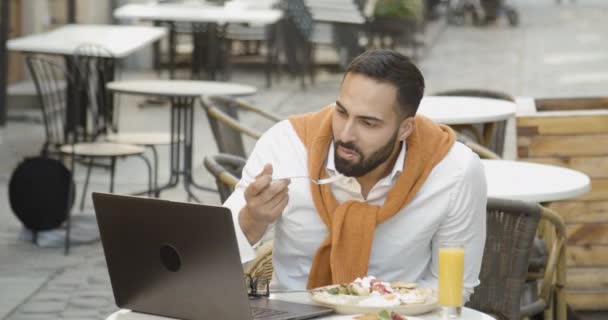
406, 128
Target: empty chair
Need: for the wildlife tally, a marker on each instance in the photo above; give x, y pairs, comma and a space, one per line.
481, 151
95, 65
550, 298
226, 169
510, 230
50, 80
228, 131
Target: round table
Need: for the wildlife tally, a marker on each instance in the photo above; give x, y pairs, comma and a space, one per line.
304, 297
182, 94
465, 110
533, 182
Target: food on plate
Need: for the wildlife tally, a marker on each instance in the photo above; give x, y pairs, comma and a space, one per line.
383, 315
372, 292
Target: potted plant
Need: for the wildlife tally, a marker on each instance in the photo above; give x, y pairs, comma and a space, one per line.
396, 18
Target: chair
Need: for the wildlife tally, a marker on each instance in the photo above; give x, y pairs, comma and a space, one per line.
510, 230
490, 135
95, 65
226, 169
228, 131
50, 80
261, 267
551, 299
481, 151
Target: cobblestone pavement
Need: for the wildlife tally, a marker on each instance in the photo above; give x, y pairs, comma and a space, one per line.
557, 51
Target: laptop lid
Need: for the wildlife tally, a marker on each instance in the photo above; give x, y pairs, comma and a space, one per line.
172, 259
179, 260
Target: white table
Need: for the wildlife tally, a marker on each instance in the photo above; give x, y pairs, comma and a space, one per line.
526, 181
182, 94
187, 12
119, 40
467, 314
466, 110
198, 14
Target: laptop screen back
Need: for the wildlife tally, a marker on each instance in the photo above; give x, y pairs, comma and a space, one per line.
172, 259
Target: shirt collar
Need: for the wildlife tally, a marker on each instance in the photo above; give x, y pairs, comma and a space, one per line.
397, 168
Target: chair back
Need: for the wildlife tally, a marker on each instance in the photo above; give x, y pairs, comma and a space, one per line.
481, 151
498, 135
95, 65
228, 130
510, 230
227, 170
50, 80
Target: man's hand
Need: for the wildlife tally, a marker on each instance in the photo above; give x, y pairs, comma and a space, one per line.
265, 202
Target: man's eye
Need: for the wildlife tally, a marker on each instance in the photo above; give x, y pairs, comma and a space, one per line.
369, 123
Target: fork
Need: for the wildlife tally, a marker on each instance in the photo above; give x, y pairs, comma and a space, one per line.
316, 181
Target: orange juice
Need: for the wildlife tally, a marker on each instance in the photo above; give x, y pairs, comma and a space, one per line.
451, 267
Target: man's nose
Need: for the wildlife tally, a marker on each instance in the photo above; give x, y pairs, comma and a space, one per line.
347, 134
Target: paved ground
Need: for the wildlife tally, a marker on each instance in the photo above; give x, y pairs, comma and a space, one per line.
557, 51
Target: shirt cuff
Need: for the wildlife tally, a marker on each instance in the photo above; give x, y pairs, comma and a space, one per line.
245, 248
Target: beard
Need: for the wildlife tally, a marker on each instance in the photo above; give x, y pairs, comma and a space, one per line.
365, 164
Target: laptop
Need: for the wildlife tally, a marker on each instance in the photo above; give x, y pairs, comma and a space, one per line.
180, 260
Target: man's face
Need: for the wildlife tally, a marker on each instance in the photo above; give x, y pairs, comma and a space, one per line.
366, 125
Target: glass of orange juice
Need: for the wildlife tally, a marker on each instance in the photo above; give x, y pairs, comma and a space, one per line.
451, 273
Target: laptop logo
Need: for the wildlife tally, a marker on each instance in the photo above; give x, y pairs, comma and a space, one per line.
169, 257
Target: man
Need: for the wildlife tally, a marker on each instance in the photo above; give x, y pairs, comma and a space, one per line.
407, 187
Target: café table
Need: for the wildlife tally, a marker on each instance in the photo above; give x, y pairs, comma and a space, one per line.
533, 182
303, 297
182, 94
467, 110
198, 14
120, 41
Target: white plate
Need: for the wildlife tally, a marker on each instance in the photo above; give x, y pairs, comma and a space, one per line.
351, 306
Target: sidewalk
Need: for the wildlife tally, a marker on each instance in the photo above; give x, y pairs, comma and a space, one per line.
557, 51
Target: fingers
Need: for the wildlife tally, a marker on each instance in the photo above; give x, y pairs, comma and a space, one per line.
258, 185
267, 170
261, 182
280, 204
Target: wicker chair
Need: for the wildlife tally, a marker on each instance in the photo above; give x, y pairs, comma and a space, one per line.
228, 131
481, 151
551, 299
261, 267
226, 169
511, 227
490, 135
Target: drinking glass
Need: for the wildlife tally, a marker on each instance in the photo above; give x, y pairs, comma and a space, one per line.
451, 273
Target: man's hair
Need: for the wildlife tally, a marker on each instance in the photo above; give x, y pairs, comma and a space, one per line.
396, 69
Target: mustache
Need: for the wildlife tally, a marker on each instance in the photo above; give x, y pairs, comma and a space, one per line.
347, 145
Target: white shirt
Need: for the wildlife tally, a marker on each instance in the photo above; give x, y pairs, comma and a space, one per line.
451, 205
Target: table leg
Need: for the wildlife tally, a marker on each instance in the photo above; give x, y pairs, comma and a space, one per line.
212, 49
172, 49
181, 149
